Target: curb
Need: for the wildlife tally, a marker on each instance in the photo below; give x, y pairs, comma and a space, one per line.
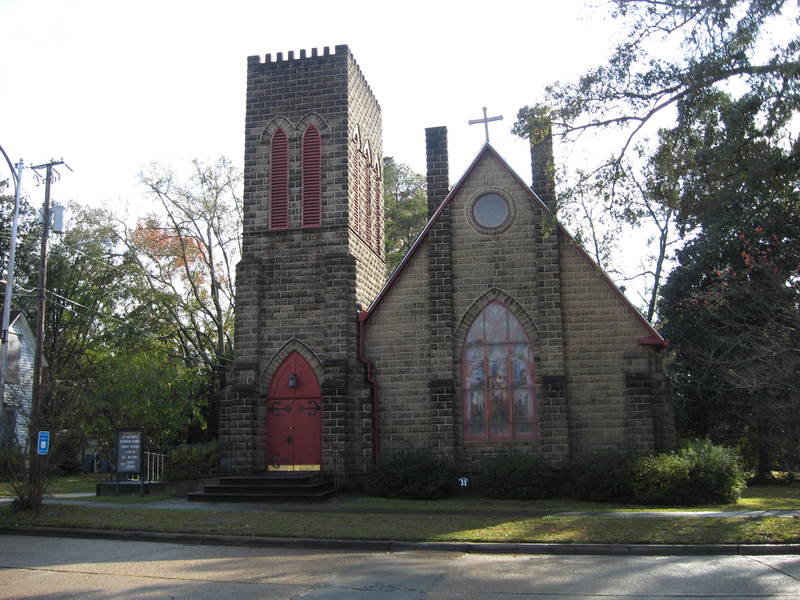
393, 546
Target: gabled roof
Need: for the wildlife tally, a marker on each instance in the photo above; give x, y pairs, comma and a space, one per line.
654, 338
20, 324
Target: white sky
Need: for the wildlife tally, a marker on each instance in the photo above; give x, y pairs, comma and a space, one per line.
113, 86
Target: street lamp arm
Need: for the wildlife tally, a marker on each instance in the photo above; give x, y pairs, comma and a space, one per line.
10, 166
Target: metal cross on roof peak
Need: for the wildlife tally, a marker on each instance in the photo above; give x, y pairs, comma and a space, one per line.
486, 120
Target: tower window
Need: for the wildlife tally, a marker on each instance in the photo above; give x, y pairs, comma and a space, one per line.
356, 171
377, 213
367, 233
498, 378
312, 178
279, 181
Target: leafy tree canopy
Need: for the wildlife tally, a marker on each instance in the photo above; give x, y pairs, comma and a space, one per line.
730, 308
673, 55
406, 209
27, 252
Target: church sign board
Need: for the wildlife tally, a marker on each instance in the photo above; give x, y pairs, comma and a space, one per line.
129, 451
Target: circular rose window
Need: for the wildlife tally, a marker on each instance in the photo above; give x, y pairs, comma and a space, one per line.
491, 211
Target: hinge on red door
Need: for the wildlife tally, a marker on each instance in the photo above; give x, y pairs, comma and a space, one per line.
314, 408
275, 408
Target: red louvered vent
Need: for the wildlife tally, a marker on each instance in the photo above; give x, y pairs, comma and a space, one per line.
356, 216
378, 212
367, 204
312, 178
279, 181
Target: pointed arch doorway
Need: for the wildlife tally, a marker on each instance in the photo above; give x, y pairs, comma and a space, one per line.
294, 418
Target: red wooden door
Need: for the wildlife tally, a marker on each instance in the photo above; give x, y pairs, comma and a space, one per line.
294, 418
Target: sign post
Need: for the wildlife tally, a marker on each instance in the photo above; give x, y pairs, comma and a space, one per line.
129, 456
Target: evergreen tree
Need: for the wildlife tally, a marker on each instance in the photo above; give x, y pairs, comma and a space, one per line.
730, 308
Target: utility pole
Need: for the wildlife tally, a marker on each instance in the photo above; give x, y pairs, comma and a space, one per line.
38, 362
9, 290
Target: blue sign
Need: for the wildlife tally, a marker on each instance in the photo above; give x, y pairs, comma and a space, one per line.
44, 443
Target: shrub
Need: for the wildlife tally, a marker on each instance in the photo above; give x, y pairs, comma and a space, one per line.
65, 453
517, 476
411, 475
192, 461
716, 472
602, 477
701, 473
12, 463
663, 479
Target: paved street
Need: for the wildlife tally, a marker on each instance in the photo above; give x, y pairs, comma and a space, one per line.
50, 568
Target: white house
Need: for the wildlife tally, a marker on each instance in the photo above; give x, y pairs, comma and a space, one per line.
18, 392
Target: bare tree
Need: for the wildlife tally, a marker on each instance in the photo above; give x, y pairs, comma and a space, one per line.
188, 252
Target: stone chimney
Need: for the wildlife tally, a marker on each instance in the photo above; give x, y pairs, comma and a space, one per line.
438, 176
543, 184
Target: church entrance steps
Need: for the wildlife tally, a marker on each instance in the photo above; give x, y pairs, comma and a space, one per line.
270, 487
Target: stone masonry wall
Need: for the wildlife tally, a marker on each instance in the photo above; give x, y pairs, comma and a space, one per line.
364, 113
518, 267
614, 382
396, 342
299, 286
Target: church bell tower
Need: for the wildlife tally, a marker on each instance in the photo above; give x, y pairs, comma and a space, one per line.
312, 255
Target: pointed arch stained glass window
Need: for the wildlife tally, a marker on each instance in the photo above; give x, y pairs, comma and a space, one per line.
498, 378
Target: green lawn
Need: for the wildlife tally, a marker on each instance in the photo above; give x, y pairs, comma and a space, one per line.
417, 527
468, 518
66, 484
757, 497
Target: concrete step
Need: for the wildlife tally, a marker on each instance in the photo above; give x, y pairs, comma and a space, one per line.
270, 487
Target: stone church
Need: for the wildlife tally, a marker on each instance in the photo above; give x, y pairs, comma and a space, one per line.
497, 332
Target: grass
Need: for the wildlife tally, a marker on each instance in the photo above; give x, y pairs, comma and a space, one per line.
66, 484
757, 497
466, 518
417, 527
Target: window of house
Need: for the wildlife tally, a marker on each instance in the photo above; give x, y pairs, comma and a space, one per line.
279, 181
498, 378
312, 177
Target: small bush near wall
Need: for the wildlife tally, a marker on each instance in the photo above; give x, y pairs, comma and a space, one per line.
717, 472
602, 477
662, 479
411, 475
517, 476
701, 473
192, 461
